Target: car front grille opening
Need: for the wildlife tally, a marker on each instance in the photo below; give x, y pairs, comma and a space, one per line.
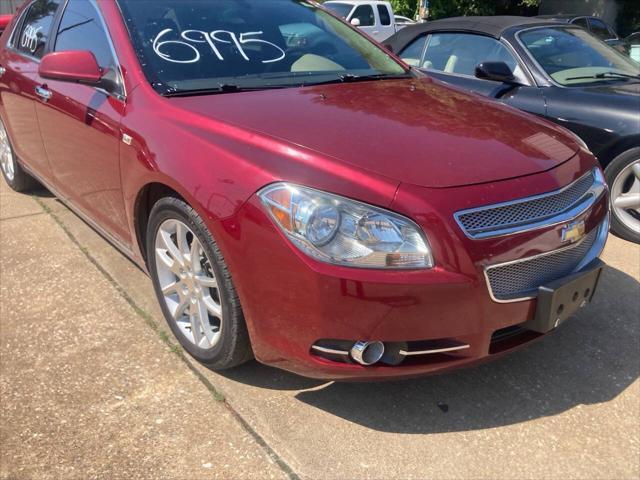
484, 220
510, 337
521, 279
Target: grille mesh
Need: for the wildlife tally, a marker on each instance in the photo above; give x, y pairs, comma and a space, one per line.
496, 218
522, 279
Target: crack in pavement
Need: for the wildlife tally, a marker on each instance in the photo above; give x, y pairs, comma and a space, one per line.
174, 347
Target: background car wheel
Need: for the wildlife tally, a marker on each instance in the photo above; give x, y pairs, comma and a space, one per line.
623, 177
13, 173
194, 287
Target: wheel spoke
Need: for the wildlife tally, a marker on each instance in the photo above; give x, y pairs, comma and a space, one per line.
636, 170
167, 261
196, 323
169, 289
181, 239
207, 282
628, 201
180, 309
195, 256
171, 247
214, 308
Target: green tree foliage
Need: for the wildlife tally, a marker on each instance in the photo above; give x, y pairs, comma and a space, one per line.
406, 8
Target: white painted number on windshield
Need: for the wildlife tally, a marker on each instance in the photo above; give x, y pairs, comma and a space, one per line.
191, 54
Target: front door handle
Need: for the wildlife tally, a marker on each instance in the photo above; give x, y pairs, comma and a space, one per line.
2, 71
44, 93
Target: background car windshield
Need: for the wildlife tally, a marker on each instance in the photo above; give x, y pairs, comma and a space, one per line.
196, 44
567, 54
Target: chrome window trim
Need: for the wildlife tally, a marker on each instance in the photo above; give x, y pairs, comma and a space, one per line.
595, 251
591, 196
12, 37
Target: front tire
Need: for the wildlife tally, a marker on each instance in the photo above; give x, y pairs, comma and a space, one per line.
13, 173
623, 177
194, 286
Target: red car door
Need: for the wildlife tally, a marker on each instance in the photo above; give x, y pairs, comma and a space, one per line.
19, 82
80, 124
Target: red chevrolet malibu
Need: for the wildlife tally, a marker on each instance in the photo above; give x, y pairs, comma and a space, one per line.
295, 192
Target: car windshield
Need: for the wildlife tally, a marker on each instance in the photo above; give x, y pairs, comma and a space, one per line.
231, 45
572, 56
340, 9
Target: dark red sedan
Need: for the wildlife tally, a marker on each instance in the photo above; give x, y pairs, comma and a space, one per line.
295, 192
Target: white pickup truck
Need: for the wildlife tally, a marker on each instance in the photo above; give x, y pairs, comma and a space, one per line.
374, 17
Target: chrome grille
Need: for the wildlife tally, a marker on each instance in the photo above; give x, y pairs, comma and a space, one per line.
494, 220
522, 278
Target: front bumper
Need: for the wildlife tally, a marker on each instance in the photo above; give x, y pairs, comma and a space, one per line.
292, 302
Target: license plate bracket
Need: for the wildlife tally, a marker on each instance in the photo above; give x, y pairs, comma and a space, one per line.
560, 299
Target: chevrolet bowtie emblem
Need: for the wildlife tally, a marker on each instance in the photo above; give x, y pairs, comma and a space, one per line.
573, 232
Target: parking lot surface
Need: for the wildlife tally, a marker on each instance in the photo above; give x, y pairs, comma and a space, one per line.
92, 385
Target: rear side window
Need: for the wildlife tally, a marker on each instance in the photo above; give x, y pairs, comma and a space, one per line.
600, 29
36, 27
364, 13
385, 17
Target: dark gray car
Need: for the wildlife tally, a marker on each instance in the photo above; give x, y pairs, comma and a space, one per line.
552, 69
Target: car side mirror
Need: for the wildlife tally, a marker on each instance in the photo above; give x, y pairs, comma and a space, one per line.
77, 66
496, 71
388, 47
355, 22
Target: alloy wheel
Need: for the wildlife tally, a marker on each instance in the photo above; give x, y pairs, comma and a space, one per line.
188, 283
625, 196
6, 156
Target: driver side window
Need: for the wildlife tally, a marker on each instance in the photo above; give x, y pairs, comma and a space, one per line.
81, 29
460, 53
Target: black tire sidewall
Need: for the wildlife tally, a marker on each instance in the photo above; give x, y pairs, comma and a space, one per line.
611, 173
173, 208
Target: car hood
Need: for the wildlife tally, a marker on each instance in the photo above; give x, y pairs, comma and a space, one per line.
413, 131
625, 90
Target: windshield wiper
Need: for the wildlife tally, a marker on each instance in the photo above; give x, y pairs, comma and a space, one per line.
222, 88
350, 78
605, 75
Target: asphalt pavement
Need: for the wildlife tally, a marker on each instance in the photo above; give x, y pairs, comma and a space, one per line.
92, 385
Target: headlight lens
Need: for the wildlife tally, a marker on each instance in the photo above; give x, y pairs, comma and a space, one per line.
340, 231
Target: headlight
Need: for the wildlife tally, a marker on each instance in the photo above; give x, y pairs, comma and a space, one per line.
340, 231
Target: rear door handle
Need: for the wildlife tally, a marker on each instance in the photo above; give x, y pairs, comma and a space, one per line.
2, 71
44, 93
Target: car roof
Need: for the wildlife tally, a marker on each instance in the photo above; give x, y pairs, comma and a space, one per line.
491, 26
563, 16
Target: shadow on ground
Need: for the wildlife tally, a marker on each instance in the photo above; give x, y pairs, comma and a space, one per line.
591, 359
